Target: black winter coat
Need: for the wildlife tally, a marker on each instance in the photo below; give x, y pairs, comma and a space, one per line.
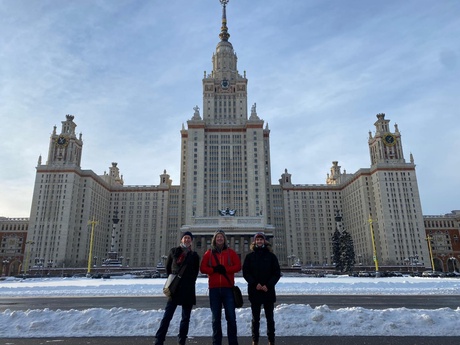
261, 266
185, 294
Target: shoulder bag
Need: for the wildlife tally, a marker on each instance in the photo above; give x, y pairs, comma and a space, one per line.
172, 282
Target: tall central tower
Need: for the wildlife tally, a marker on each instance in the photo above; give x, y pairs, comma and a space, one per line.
224, 90
225, 170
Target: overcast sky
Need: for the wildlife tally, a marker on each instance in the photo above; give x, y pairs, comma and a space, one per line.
131, 70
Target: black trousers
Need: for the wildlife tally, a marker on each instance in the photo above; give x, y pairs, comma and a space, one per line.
168, 315
269, 314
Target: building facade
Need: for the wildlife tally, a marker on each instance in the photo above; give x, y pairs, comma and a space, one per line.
13, 245
443, 232
225, 183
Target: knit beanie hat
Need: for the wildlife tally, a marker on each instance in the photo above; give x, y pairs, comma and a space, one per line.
259, 234
187, 233
213, 242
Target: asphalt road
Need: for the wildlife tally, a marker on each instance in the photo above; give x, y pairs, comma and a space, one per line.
149, 303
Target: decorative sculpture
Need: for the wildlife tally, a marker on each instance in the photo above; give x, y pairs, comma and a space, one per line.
227, 212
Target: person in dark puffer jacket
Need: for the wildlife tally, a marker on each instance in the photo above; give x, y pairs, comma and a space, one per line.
262, 271
185, 294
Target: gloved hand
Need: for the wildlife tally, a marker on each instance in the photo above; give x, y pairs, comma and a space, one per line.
219, 269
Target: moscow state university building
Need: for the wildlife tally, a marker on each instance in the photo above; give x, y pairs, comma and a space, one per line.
225, 183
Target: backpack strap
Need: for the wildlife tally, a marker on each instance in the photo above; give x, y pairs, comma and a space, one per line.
225, 275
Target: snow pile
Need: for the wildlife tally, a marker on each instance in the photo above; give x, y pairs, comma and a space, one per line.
291, 320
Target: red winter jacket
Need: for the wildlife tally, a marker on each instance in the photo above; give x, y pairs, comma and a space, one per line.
229, 259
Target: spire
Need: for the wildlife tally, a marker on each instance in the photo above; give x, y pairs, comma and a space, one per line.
224, 35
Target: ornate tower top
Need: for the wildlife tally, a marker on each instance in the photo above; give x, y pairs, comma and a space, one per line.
385, 146
65, 148
224, 35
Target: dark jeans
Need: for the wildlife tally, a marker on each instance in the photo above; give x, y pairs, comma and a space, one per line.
268, 308
164, 325
219, 297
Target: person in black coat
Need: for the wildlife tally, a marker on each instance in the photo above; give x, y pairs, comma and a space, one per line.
185, 294
261, 270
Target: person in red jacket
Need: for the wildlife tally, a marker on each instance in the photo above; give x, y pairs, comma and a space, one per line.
221, 263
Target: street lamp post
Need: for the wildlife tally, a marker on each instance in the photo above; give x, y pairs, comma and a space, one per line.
415, 263
5, 266
164, 257
93, 224
374, 248
429, 238
42, 264
453, 264
26, 264
406, 262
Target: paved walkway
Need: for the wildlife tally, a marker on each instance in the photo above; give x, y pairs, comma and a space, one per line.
241, 340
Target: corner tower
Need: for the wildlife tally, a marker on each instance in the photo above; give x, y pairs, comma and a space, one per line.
385, 146
396, 208
65, 148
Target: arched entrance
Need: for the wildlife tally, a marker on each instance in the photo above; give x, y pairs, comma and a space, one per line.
438, 265
10, 267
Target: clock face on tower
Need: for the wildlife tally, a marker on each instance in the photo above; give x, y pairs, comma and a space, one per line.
62, 141
389, 139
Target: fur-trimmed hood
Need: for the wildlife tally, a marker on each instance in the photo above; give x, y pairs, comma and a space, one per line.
267, 245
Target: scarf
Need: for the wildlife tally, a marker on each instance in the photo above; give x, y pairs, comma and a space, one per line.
181, 258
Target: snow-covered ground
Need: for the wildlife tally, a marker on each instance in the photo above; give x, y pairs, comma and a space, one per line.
291, 319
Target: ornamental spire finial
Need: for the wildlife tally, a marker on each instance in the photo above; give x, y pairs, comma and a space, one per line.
224, 35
